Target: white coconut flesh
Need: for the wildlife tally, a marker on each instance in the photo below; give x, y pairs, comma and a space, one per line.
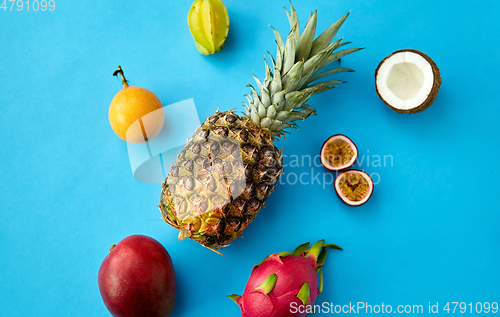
338, 139
405, 80
342, 196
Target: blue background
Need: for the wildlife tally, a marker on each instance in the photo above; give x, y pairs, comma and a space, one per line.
430, 233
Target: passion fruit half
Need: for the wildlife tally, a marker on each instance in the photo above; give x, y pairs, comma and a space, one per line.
338, 153
354, 187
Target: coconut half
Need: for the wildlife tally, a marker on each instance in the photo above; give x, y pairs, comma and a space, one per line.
407, 81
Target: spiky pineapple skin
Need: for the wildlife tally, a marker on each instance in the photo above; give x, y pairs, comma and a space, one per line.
190, 201
225, 153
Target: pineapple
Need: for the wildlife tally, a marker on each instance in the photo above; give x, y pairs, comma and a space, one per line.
230, 166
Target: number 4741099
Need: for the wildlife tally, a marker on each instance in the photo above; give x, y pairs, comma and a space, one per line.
34, 5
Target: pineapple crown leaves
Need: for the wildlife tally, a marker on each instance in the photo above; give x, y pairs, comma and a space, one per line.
279, 100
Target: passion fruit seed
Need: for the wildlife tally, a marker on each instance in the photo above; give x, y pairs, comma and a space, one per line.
353, 186
339, 153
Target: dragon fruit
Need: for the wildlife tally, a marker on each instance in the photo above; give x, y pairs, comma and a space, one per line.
285, 284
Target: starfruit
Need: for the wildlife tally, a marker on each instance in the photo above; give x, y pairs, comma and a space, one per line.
209, 24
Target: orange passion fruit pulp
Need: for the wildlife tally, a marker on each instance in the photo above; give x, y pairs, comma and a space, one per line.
338, 153
354, 187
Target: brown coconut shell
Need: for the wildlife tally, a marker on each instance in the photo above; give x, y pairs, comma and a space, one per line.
435, 87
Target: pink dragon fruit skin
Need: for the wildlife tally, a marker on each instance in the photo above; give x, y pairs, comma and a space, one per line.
282, 279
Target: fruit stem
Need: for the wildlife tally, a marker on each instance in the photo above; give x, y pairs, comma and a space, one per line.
112, 247
120, 71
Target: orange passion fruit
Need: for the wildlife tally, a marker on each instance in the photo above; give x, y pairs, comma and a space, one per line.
136, 114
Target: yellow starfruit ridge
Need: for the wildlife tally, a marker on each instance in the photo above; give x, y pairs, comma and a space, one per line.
209, 25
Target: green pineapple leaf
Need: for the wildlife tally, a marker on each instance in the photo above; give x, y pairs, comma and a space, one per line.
327, 36
306, 39
329, 72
